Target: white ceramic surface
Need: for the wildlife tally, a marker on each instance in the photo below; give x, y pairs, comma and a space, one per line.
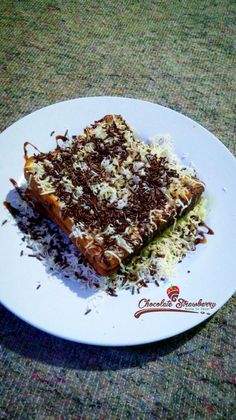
59, 307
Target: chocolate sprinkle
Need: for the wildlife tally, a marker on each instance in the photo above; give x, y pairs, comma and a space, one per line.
96, 214
88, 311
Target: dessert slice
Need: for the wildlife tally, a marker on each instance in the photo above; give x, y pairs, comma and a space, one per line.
110, 192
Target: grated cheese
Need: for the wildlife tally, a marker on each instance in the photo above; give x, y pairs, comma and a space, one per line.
99, 132
122, 202
104, 191
122, 243
77, 230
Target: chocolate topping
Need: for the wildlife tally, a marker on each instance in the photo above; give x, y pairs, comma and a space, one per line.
144, 198
79, 163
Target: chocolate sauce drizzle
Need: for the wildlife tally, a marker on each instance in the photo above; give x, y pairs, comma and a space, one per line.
201, 234
92, 212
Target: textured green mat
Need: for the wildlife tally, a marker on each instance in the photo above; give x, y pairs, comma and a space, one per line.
176, 53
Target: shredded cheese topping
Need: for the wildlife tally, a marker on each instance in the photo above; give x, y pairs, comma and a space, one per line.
121, 178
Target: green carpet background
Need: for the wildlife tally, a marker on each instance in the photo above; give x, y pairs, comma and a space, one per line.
180, 54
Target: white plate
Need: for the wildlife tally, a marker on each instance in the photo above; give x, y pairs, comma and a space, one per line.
58, 307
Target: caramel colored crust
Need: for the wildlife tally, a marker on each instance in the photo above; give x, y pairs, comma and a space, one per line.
103, 263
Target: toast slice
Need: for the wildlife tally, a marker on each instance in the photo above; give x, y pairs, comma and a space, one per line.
110, 192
